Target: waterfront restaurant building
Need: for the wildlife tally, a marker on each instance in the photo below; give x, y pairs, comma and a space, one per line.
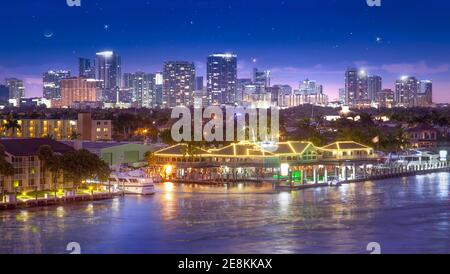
256, 160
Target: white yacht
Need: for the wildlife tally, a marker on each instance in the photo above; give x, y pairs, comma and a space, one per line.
131, 182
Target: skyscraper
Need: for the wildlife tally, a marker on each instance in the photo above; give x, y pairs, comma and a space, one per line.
261, 79
374, 87
86, 68
406, 89
178, 84
425, 94
199, 83
16, 88
356, 89
221, 78
142, 85
4, 94
109, 73
51, 80
240, 89
158, 89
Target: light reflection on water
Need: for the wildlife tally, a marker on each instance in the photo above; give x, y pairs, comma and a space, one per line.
408, 215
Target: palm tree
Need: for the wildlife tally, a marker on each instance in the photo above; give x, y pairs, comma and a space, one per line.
12, 124
6, 168
54, 165
45, 154
74, 135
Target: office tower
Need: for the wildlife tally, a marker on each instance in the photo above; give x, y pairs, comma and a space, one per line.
385, 98
178, 84
312, 93
374, 87
16, 88
142, 85
4, 94
240, 88
284, 95
310, 87
108, 72
356, 89
221, 78
199, 83
406, 89
261, 79
86, 68
78, 90
51, 81
425, 94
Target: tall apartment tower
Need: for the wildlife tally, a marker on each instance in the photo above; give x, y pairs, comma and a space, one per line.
406, 90
356, 89
16, 88
109, 73
142, 86
52, 83
425, 94
221, 78
178, 84
374, 87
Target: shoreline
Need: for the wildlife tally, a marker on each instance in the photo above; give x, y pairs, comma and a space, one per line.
43, 202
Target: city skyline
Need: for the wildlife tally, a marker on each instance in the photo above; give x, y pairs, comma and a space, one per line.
319, 44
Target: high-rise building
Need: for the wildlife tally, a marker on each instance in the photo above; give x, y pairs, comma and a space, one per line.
86, 68
342, 95
221, 78
261, 79
356, 89
109, 73
425, 94
178, 84
374, 87
312, 93
78, 90
406, 89
51, 81
4, 94
16, 88
158, 89
385, 98
199, 83
142, 85
240, 89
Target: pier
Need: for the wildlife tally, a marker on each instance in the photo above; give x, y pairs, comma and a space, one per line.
56, 200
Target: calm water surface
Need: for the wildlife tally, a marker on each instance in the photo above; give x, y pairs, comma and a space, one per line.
408, 215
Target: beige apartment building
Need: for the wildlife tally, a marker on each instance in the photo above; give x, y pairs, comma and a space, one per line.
78, 89
84, 128
28, 171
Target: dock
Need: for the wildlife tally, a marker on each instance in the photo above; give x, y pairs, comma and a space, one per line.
57, 200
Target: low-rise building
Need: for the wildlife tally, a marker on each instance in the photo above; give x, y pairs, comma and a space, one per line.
423, 136
29, 174
84, 128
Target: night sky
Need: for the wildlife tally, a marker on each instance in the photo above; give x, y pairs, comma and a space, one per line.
295, 39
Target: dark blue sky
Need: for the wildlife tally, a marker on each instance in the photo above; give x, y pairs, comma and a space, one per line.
294, 38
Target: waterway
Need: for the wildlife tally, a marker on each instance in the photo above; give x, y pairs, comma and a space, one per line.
403, 215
